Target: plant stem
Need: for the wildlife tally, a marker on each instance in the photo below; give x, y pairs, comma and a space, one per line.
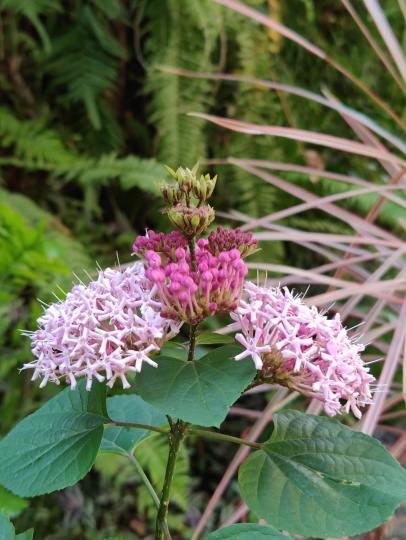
138, 426
144, 478
191, 244
149, 487
192, 342
221, 436
175, 439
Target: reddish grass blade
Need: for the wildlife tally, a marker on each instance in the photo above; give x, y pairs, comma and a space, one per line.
325, 238
388, 371
387, 34
297, 38
294, 90
348, 217
374, 45
371, 289
312, 137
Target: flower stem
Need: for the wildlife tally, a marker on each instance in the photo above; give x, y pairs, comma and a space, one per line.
175, 439
191, 243
144, 478
223, 437
192, 342
138, 426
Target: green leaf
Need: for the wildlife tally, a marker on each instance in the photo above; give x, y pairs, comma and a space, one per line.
247, 531
316, 477
27, 535
56, 446
199, 392
10, 504
132, 409
7, 531
212, 338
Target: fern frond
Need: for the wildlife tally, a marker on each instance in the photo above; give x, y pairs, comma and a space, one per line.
182, 35
32, 11
38, 147
32, 140
84, 61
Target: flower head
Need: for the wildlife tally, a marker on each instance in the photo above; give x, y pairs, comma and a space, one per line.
163, 243
297, 346
192, 290
103, 330
227, 239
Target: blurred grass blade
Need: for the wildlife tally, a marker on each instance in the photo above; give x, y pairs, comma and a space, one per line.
388, 371
374, 45
312, 137
320, 173
387, 34
300, 40
297, 91
376, 289
355, 221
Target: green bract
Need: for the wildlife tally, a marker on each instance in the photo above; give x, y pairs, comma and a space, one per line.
316, 477
57, 445
199, 392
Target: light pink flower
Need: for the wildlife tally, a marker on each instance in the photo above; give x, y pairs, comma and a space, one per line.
104, 330
296, 345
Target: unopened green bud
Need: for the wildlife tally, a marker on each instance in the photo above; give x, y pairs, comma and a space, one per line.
176, 218
211, 184
168, 194
170, 171
195, 221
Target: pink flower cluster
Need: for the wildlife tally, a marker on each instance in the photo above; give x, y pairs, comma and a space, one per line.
163, 243
227, 239
103, 330
188, 293
298, 344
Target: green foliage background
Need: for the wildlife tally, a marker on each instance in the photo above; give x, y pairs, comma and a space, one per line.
87, 118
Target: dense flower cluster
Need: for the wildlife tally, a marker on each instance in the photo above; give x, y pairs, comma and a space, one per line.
191, 294
298, 346
162, 243
211, 283
103, 330
227, 239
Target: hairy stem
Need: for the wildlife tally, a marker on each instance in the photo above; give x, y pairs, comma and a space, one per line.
221, 436
192, 342
191, 244
175, 439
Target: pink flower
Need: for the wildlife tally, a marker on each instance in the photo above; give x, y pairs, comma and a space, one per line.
191, 292
103, 330
188, 294
297, 346
227, 239
163, 243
